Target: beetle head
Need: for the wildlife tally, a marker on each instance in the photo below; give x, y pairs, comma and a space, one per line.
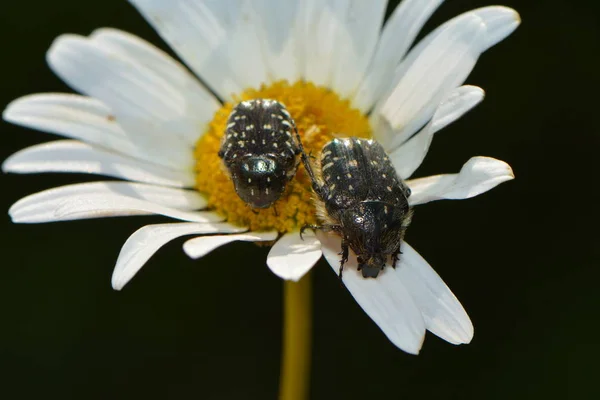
374, 231
259, 180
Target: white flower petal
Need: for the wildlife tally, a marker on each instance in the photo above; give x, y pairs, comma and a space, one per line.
280, 40
409, 156
114, 78
438, 69
398, 34
244, 46
199, 104
70, 115
499, 21
385, 299
339, 38
458, 102
89, 120
73, 156
443, 314
322, 30
143, 243
85, 207
361, 26
141, 100
291, 257
178, 198
477, 176
104, 199
199, 32
201, 246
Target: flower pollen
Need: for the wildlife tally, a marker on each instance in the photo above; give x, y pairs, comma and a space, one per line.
320, 115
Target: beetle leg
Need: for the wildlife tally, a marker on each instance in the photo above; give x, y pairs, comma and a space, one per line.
313, 227
396, 257
324, 228
344, 255
320, 190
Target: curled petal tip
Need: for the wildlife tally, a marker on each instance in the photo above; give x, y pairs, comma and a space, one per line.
511, 173
508, 12
514, 14
508, 171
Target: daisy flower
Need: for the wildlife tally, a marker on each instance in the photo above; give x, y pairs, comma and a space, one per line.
146, 119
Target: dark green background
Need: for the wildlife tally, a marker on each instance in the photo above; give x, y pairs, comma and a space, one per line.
523, 259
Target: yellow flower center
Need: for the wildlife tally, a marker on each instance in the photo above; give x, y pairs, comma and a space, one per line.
320, 115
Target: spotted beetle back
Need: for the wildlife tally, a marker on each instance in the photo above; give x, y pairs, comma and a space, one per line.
361, 197
260, 150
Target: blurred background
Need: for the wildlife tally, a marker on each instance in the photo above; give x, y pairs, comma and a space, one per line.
523, 258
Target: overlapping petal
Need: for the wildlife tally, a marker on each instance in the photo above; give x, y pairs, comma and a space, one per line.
109, 199
442, 312
358, 24
292, 256
396, 38
280, 40
86, 119
146, 241
198, 104
201, 246
141, 99
406, 300
500, 22
385, 299
206, 35
409, 156
439, 68
73, 156
399, 123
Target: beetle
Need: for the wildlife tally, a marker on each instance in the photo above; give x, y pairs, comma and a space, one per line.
360, 197
260, 150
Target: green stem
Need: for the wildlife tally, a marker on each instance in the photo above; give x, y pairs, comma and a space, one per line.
295, 362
